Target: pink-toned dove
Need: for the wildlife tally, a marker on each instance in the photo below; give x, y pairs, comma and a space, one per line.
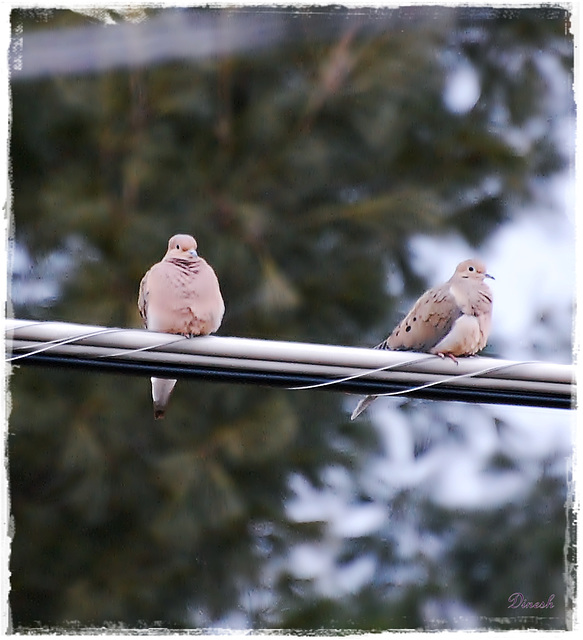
449, 320
180, 294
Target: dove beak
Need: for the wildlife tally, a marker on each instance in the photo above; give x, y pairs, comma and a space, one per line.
194, 254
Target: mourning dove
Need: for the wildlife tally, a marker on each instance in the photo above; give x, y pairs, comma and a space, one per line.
180, 294
449, 320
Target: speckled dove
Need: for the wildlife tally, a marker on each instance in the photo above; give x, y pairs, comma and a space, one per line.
449, 320
180, 294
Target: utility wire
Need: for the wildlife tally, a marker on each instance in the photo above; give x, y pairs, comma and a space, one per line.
292, 365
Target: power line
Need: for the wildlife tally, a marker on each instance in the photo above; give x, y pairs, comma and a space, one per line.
292, 365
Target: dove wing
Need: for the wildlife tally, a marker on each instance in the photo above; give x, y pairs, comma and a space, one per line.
428, 322
143, 299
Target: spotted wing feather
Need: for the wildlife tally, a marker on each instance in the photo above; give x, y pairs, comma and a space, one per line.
428, 322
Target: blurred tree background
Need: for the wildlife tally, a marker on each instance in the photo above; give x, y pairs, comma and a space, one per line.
303, 168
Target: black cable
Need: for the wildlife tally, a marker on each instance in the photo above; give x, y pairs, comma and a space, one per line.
275, 379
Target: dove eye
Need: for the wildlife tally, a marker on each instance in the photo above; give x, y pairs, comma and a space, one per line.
178, 246
470, 268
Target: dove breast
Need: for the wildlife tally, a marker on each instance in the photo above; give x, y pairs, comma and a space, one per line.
465, 338
183, 296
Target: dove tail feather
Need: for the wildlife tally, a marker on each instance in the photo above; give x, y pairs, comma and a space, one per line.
362, 405
161, 390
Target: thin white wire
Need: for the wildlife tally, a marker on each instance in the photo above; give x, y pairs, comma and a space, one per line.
362, 374
57, 342
412, 389
146, 348
452, 378
60, 341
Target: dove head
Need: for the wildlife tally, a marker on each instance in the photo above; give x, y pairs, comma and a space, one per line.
472, 269
181, 246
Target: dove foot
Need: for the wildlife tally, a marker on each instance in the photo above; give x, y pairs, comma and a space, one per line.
448, 355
